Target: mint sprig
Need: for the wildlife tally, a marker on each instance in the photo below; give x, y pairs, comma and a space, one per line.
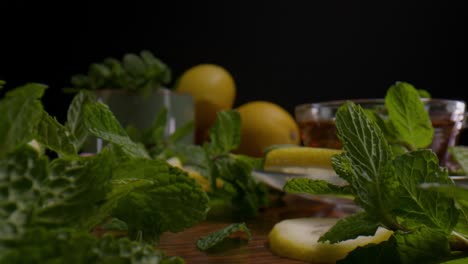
417, 205
137, 73
387, 187
408, 116
240, 195
460, 154
75, 120
40, 245
366, 156
41, 195
20, 114
209, 241
101, 123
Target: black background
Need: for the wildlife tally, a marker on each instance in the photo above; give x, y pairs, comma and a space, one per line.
287, 52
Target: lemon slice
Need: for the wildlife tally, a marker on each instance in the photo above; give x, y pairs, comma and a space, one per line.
300, 157
298, 239
314, 163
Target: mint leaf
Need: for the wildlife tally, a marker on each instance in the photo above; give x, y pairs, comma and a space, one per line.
460, 194
157, 131
314, 187
20, 113
460, 154
217, 237
351, 227
429, 208
73, 191
153, 197
246, 195
457, 261
408, 115
342, 166
456, 191
424, 245
55, 136
181, 132
75, 120
423, 93
193, 156
134, 65
421, 246
383, 253
115, 224
225, 133
102, 123
141, 74
21, 174
364, 163
40, 245
254, 163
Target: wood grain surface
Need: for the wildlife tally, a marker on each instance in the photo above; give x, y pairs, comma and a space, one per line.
183, 244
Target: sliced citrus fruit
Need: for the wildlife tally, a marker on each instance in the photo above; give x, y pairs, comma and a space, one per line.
298, 239
300, 157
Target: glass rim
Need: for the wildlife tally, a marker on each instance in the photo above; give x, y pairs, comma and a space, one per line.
337, 103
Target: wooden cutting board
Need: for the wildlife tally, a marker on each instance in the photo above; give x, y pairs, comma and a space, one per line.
256, 251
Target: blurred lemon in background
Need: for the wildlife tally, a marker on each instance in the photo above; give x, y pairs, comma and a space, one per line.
265, 124
213, 89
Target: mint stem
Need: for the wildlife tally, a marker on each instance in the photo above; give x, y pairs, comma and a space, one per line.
458, 242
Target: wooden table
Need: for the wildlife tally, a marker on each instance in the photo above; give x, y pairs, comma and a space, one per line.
183, 244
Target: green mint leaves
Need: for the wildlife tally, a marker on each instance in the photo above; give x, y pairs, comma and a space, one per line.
420, 206
75, 120
460, 194
158, 197
408, 116
393, 188
55, 136
460, 154
40, 245
225, 134
215, 238
314, 187
102, 123
366, 156
351, 227
41, 196
240, 190
20, 114
140, 73
239, 196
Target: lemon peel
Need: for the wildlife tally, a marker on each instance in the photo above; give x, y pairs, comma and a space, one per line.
300, 157
298, 239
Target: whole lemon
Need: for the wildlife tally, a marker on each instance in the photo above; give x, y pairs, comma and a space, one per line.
212, 88
265, 124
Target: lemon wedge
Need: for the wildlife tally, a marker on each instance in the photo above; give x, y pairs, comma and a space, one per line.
297, 161
298, 239
300, 157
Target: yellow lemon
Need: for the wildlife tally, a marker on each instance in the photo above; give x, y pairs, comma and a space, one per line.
303, 157
212, 88
265, 124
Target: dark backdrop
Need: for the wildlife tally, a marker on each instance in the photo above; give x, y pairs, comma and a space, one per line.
288, 52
